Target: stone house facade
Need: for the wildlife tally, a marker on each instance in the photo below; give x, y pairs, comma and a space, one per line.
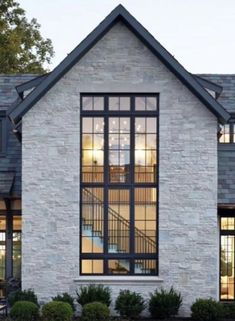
127, 171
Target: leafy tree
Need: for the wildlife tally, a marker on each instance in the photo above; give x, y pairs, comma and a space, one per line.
22, 47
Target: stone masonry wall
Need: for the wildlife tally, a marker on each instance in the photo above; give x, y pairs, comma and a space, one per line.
188, 232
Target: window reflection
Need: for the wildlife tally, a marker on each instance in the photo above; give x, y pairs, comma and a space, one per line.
92, 103
119, 103
145, 103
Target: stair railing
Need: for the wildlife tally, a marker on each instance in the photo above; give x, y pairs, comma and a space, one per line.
119, 227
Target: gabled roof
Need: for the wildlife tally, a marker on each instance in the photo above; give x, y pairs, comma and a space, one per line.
120, 14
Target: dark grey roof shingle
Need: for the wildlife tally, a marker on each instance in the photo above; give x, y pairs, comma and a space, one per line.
6, 183
11, 161
227, 81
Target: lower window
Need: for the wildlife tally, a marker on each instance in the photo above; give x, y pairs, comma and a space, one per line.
227, 258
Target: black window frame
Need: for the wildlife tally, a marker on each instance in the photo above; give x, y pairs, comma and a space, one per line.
107, 185
225, 213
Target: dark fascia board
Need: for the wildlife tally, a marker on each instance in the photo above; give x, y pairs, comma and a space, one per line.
14, 105
120, 14
30, 84
209, 85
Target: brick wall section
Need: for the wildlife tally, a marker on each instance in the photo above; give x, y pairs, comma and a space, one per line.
188, 236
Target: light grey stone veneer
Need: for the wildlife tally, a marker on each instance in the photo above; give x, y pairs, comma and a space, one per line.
188, 231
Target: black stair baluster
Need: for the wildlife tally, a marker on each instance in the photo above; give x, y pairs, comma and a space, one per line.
119, 225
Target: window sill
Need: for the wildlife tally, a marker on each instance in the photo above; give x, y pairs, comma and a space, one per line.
118, 279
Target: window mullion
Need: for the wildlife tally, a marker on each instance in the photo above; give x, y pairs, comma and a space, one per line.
132, 190
106, 180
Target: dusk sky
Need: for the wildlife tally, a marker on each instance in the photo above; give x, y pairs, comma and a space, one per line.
199, 33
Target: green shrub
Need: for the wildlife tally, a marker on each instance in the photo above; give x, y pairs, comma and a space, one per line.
229, 310
206, 310
129, 304
65, 297
25, 295
164, 304
57, 311
24, 311
92, 293
95, 311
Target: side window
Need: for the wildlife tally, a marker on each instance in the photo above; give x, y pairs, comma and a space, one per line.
227, 134
224, 134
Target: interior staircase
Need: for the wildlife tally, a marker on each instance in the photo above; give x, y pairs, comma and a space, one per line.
118, 231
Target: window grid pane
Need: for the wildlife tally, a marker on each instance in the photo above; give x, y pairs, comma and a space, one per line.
145, 150
225, 134
92, 220
93, 149
119, 149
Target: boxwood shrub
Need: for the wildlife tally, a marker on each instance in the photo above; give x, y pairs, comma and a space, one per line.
206, 310
95, 311
24, 311
57, 311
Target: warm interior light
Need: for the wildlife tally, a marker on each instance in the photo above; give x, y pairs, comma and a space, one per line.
139, 156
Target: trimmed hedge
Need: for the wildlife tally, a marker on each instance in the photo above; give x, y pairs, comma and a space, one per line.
95, 311
57, 311
206, 310
24, 311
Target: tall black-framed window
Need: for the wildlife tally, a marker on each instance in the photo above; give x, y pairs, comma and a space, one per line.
227, 256
119, 184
